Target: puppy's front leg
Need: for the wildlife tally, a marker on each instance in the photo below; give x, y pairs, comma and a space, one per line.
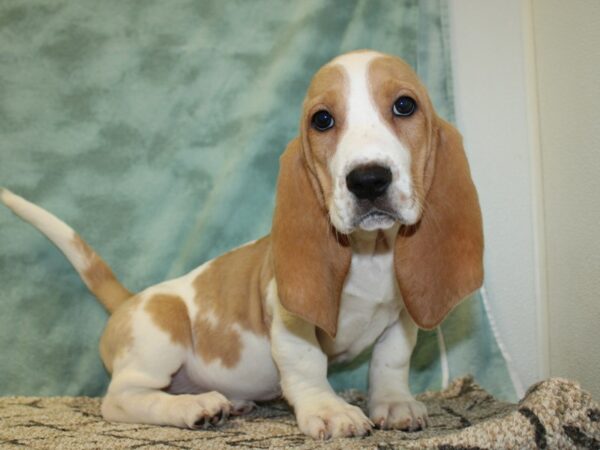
391, 404
303, 370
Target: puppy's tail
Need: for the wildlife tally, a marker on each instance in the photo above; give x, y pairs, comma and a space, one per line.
92, 269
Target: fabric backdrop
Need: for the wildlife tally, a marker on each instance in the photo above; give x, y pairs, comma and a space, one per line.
154, 129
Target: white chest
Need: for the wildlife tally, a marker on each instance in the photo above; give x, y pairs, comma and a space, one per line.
370, 301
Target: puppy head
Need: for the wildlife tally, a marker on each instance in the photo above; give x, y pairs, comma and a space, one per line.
366, 129
372, 153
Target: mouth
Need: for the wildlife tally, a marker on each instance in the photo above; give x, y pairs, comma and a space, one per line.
376, 219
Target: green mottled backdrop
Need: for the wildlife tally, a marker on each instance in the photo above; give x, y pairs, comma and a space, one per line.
154, 129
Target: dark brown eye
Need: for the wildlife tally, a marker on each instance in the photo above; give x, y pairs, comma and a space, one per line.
404, 106
322, 120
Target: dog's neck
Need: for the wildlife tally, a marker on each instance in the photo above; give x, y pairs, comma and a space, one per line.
373, 242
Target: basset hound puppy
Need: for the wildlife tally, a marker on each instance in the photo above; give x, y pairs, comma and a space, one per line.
376, 231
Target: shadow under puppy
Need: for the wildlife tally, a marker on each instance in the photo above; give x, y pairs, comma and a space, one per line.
376, 231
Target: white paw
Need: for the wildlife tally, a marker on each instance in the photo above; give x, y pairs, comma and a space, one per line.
331, 417
403, 414
200, 411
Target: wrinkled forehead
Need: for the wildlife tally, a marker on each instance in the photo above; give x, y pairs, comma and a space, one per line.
361, 73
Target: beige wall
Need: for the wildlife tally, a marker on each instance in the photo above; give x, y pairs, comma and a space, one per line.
527, 91
492, 97
567, 56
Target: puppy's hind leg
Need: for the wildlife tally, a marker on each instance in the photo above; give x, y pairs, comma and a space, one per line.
140, 404
138, 391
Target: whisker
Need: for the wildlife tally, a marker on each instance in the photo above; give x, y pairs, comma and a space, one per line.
431, 214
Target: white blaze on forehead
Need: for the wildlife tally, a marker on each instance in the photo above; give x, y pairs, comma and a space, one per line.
366, 138
361, 107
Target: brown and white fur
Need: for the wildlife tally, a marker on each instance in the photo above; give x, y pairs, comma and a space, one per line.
336, 275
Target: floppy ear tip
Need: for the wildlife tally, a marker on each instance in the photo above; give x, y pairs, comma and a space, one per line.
426, 324
292, 301
431, 319
428, 312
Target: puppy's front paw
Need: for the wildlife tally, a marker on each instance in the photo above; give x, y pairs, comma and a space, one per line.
331, 417
403, 414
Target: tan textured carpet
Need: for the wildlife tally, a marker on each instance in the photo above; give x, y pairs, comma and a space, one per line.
554, 414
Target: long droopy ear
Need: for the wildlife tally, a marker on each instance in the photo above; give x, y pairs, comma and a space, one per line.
439, 261
310, 260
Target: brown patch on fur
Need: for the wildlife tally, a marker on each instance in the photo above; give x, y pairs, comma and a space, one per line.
118, 333
170, 314
440, 260
99, 278
217, 342
231, 289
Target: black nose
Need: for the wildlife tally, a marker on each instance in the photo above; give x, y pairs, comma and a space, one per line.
369, 182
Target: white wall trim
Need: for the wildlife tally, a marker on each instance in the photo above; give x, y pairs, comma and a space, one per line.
537, 190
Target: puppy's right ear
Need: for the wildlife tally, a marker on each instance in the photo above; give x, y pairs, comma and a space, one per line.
310, 259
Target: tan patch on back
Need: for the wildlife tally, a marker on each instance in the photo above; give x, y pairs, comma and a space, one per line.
230, 291
170, 314
217, 342
118, 333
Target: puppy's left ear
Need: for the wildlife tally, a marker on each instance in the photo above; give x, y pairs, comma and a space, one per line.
310, 259
439, 261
